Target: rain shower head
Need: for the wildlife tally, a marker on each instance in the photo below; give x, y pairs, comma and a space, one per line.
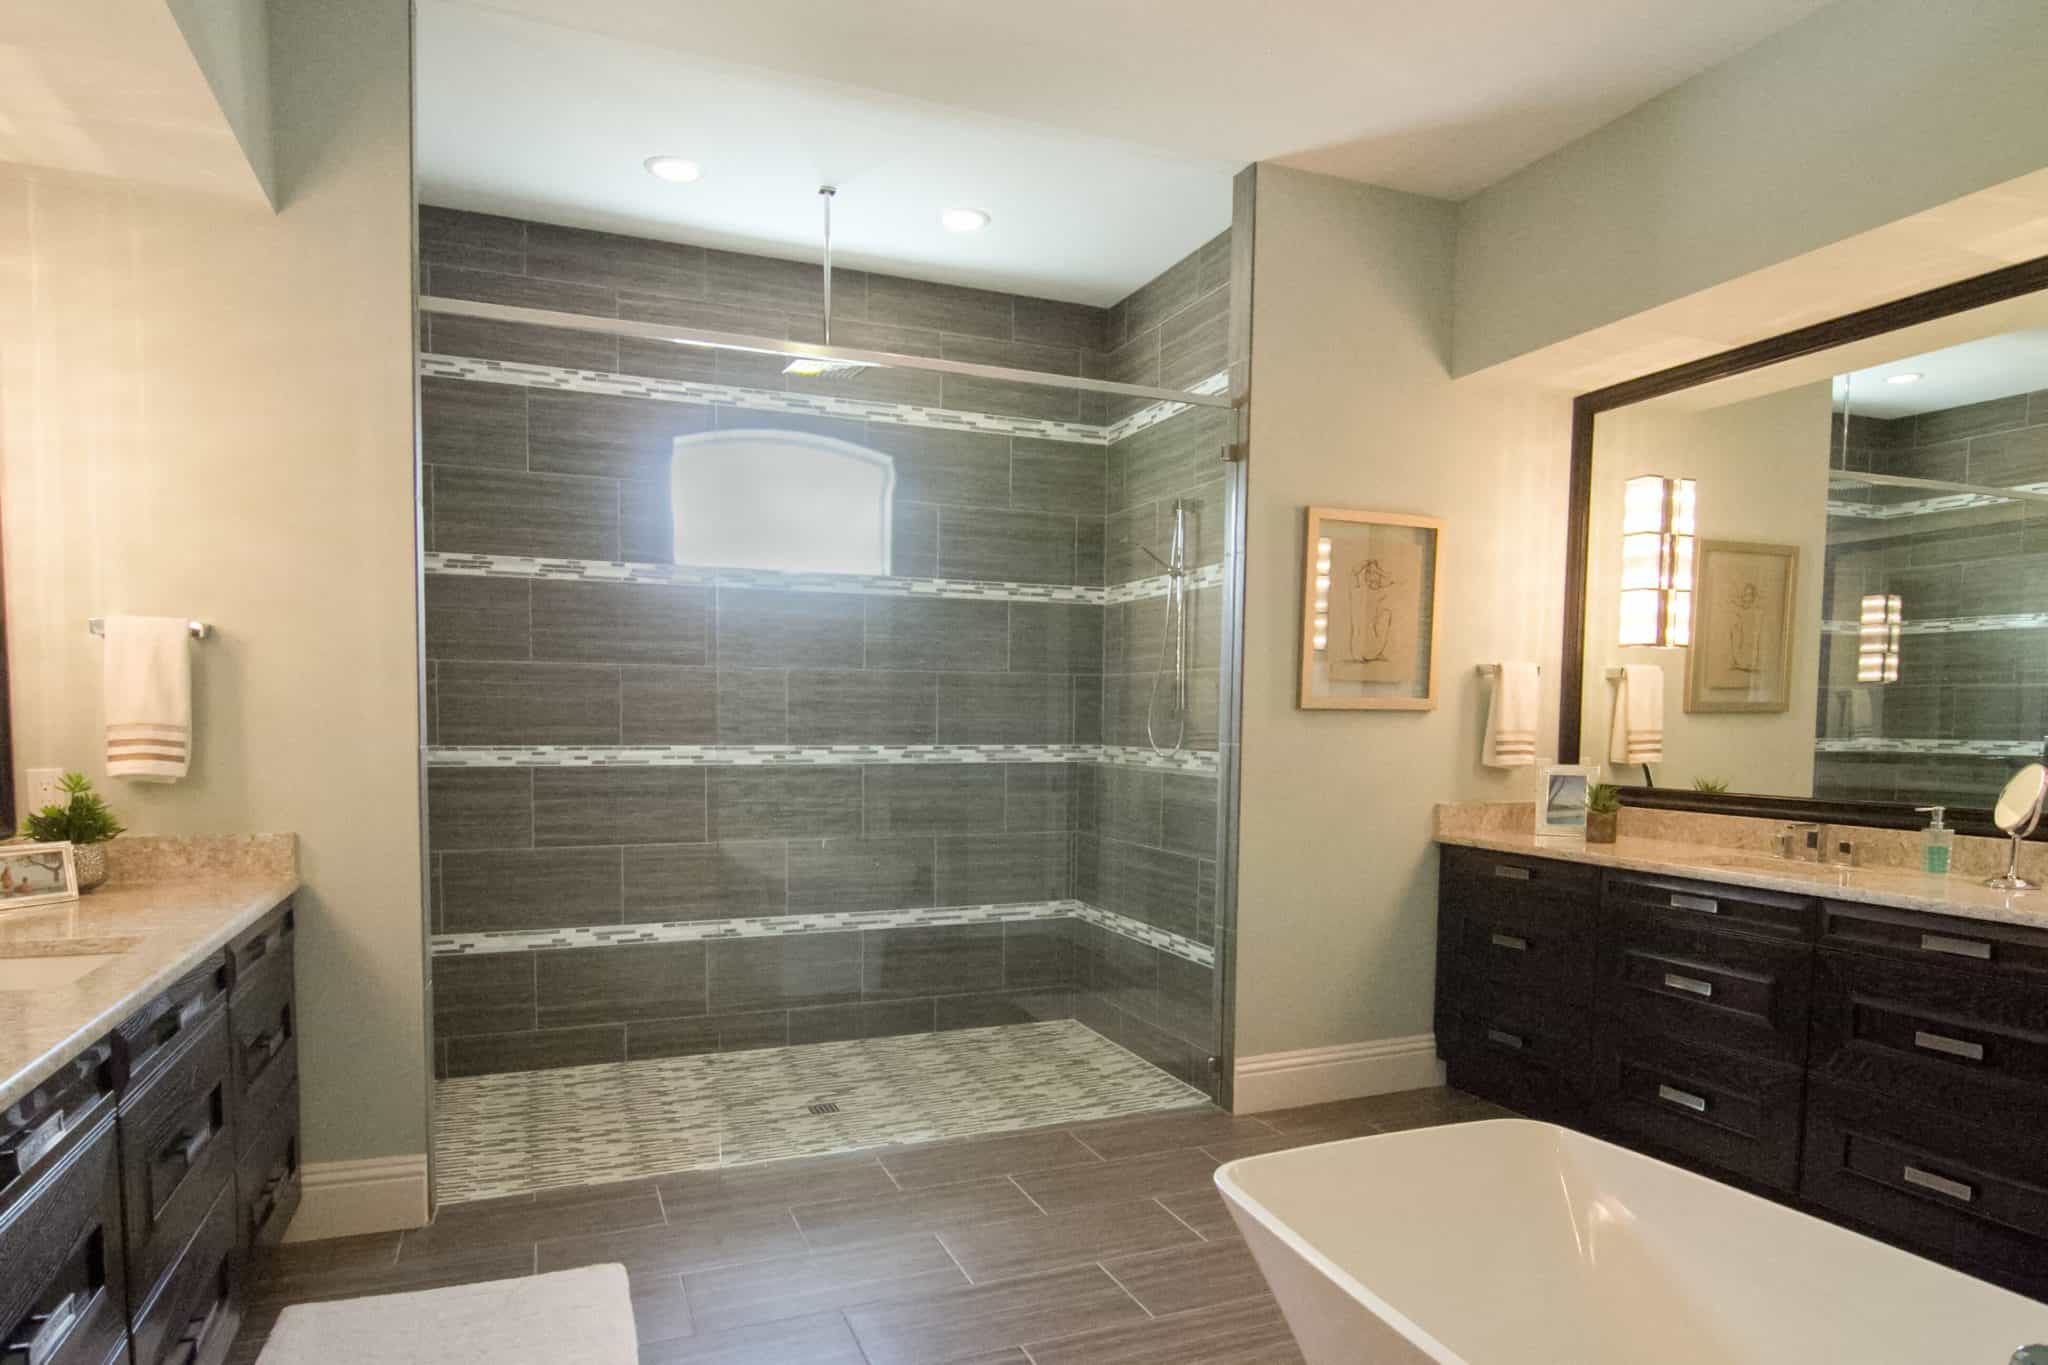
811, 367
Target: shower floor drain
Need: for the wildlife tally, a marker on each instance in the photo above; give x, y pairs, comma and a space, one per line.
826, 1108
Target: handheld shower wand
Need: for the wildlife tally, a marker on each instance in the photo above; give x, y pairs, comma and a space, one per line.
1174, 637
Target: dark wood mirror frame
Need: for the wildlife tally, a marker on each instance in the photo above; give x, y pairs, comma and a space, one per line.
1997, 286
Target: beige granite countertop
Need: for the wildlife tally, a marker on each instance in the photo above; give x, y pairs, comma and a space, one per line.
1723, 853
168, 905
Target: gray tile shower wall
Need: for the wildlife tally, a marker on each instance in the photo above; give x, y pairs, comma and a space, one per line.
1986, 683
519, 662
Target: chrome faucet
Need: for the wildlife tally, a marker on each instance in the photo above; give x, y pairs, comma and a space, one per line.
1800, 842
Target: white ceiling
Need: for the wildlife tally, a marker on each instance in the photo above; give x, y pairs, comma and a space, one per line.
1974, 372
1100, 133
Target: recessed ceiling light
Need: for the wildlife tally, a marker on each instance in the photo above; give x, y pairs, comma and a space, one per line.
1909, 377
673, 168
964, 220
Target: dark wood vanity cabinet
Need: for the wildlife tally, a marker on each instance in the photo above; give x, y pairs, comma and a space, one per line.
136, 1181
1884, 1068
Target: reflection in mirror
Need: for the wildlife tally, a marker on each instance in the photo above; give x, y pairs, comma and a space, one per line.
2017, 812
1867, 578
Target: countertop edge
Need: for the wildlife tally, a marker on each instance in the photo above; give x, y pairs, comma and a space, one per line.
1885, 887
262, 897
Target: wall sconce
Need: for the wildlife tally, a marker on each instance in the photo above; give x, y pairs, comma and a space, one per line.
1322, 631
1657, 561
1877, 638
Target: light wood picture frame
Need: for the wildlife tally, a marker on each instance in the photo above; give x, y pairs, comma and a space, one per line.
36, 874
1368, 610
1745, 596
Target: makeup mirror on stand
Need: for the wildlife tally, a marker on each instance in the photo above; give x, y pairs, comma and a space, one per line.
2017, 812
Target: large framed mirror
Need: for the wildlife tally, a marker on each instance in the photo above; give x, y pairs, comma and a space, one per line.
1808, 578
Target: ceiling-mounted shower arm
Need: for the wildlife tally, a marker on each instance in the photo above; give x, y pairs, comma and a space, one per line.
825, 196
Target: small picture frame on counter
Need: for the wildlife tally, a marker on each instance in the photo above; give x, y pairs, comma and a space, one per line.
1561, 801
36, 874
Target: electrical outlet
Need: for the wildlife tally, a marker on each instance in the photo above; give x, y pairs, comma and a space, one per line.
45, 787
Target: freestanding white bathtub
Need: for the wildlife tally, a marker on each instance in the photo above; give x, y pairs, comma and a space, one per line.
1514, 1242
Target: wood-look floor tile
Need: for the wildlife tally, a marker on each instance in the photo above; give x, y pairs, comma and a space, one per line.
1372, 1112
690, 1243
1147, 1133
1139, 1177
1203, 1210
558, 1213
1096, 1232
943, 1163
795, 1286
777, 1184
1186, 1278
1258, 1146
456, 1265
820, 1339
1250, 1332
328, 1254
933, 1328
848, 1221
661, 1310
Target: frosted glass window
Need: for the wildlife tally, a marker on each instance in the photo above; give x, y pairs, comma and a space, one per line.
788, 500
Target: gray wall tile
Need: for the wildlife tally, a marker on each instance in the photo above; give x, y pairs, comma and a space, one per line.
936, 633
967, 393
480, 241
689, 1037
1189, 810
860, 706
616, 984
1004, 708
765, 629
1055, 637
941, 307
1038, 796
1001, 546
803, 969
1002, 869
634, 623
1051, 323
927, 800
668, 706
607, 436
1058, 476
989, 1009
763, 282
467, 423
1974, 419
914, 540
484, 339
499, 512
1037, 953
537, 1051
753, 706
892, 873
1195, 342
479, 808
646, 522
1164, 295
1126, 804
778, 803
488, 993
611, 261
914, 962
528, 703
935, 465
478, 618
727, 880
540, 889
618, 805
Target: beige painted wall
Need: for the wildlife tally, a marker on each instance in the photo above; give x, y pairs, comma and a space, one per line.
1353, 406
206, 410
1761, 467
1864, 113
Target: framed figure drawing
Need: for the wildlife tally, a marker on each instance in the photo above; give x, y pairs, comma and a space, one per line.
1741, 655
1368, 611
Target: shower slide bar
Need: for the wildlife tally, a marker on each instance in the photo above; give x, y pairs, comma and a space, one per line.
733, 341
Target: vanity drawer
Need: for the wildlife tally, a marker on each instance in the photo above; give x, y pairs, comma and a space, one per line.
1719, 1109
266, 1047
35, 1129
256, 953
62, 1296
176, 1155
1525, 945
1723, 990
193, 1317
1516, 871
1531, 1055
1716, 908
149, 1037
1969, 1043
1972, 945
1966, 1195
267, 1184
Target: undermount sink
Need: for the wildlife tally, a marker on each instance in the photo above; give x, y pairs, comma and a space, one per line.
47, 971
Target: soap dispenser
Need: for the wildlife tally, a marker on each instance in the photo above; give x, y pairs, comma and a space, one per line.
1937, 841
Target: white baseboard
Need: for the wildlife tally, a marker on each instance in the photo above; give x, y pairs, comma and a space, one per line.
344, 1198
1281, 1080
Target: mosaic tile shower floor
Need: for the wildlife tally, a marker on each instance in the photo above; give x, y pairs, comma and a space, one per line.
517, 1132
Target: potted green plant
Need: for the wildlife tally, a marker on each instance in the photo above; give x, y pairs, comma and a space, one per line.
82, 820
1710, 784
1603, 807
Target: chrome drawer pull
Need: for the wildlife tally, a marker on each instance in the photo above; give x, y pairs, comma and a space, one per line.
1685, 1099
1691, 985
1513, 874
1954, 1047
1706, 905
1955, 947
1510, 942
1940, 1184
1505, 1039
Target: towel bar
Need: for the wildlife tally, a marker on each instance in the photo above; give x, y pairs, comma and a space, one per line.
97, 625
1493, 670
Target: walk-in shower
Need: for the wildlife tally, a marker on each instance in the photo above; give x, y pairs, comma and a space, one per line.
819, 753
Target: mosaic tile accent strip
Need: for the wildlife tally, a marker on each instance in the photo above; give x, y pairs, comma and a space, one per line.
1952, 625
763, 926
442, 562
518, 1132
1197, 761
485, 942
1152, 415
1920, 507
1950, 748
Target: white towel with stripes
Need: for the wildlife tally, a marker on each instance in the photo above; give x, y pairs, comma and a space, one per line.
1511, 719
1637, 736
148, 687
